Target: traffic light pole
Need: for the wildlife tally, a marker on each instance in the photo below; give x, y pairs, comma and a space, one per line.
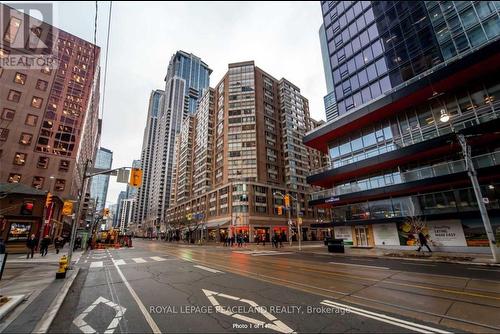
78, 213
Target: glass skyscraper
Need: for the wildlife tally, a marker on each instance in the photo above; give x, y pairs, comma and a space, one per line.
375, 46
186, 80
99, 186
408, 77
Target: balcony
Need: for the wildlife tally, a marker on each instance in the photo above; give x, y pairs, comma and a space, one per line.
446, 168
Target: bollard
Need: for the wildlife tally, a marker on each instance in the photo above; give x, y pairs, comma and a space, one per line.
63, 267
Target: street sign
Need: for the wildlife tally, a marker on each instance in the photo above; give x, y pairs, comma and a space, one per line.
123, 175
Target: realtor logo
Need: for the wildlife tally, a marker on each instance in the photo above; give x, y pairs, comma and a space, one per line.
27, 36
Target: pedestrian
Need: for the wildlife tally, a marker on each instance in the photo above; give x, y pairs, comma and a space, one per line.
232, 240
274, 240
31, 243
423, 242
280, 240
44, 246
283, 236
58, 243
2, 246
257, 239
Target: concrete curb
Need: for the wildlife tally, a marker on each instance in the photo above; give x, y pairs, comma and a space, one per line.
10, 305
486, 264
43, 325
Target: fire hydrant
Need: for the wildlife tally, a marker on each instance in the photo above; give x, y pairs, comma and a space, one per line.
63, 266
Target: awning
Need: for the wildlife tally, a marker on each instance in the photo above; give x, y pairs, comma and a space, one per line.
217, 224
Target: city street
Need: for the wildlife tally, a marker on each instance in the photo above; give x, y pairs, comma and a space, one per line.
156, 286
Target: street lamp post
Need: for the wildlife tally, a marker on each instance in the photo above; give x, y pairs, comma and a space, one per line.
471, 171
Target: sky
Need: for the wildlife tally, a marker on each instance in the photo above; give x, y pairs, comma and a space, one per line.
281, 37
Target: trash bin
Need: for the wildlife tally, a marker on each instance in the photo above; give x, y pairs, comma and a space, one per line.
336, 246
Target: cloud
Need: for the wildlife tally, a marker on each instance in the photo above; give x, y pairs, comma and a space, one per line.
282, 38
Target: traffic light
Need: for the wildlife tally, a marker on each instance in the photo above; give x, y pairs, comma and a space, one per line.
280, 210
287, 201
135, 177
49, 199
106, 212
27, 208
67, 208
86, 201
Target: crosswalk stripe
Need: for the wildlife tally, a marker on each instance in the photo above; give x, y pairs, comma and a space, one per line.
119, 262
139, 260
157, 258
95, 264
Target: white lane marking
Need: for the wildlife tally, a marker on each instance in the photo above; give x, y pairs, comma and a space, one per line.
119, 262
96, 264
481, 269
157, 258
273, 323
358, 265
86, 328
385, 318
261, 252
360, 259
419, 264
139, 260
275, 253
147, 316
208, 269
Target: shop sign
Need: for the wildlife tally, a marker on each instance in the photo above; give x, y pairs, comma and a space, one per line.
332, 199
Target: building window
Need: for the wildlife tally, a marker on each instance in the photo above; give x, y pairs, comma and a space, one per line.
37, 182
8, 114
4, 133
41, 85
12, 29
36, 102
20, 78
43, 162
14, 96
14, 178
4, 53
20, 159
60, 185
25, 138
64, 166
46, 70
31, 120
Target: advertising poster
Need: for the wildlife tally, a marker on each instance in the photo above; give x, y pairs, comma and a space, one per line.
343, 232
446, 233
475, 234
386, 234
408, 236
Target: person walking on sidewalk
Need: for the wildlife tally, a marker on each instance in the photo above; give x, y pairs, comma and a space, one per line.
31, 244
423, 242
44, 246
58, 243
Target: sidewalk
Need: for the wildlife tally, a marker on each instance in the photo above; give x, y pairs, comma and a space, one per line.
33, 282
318, 247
